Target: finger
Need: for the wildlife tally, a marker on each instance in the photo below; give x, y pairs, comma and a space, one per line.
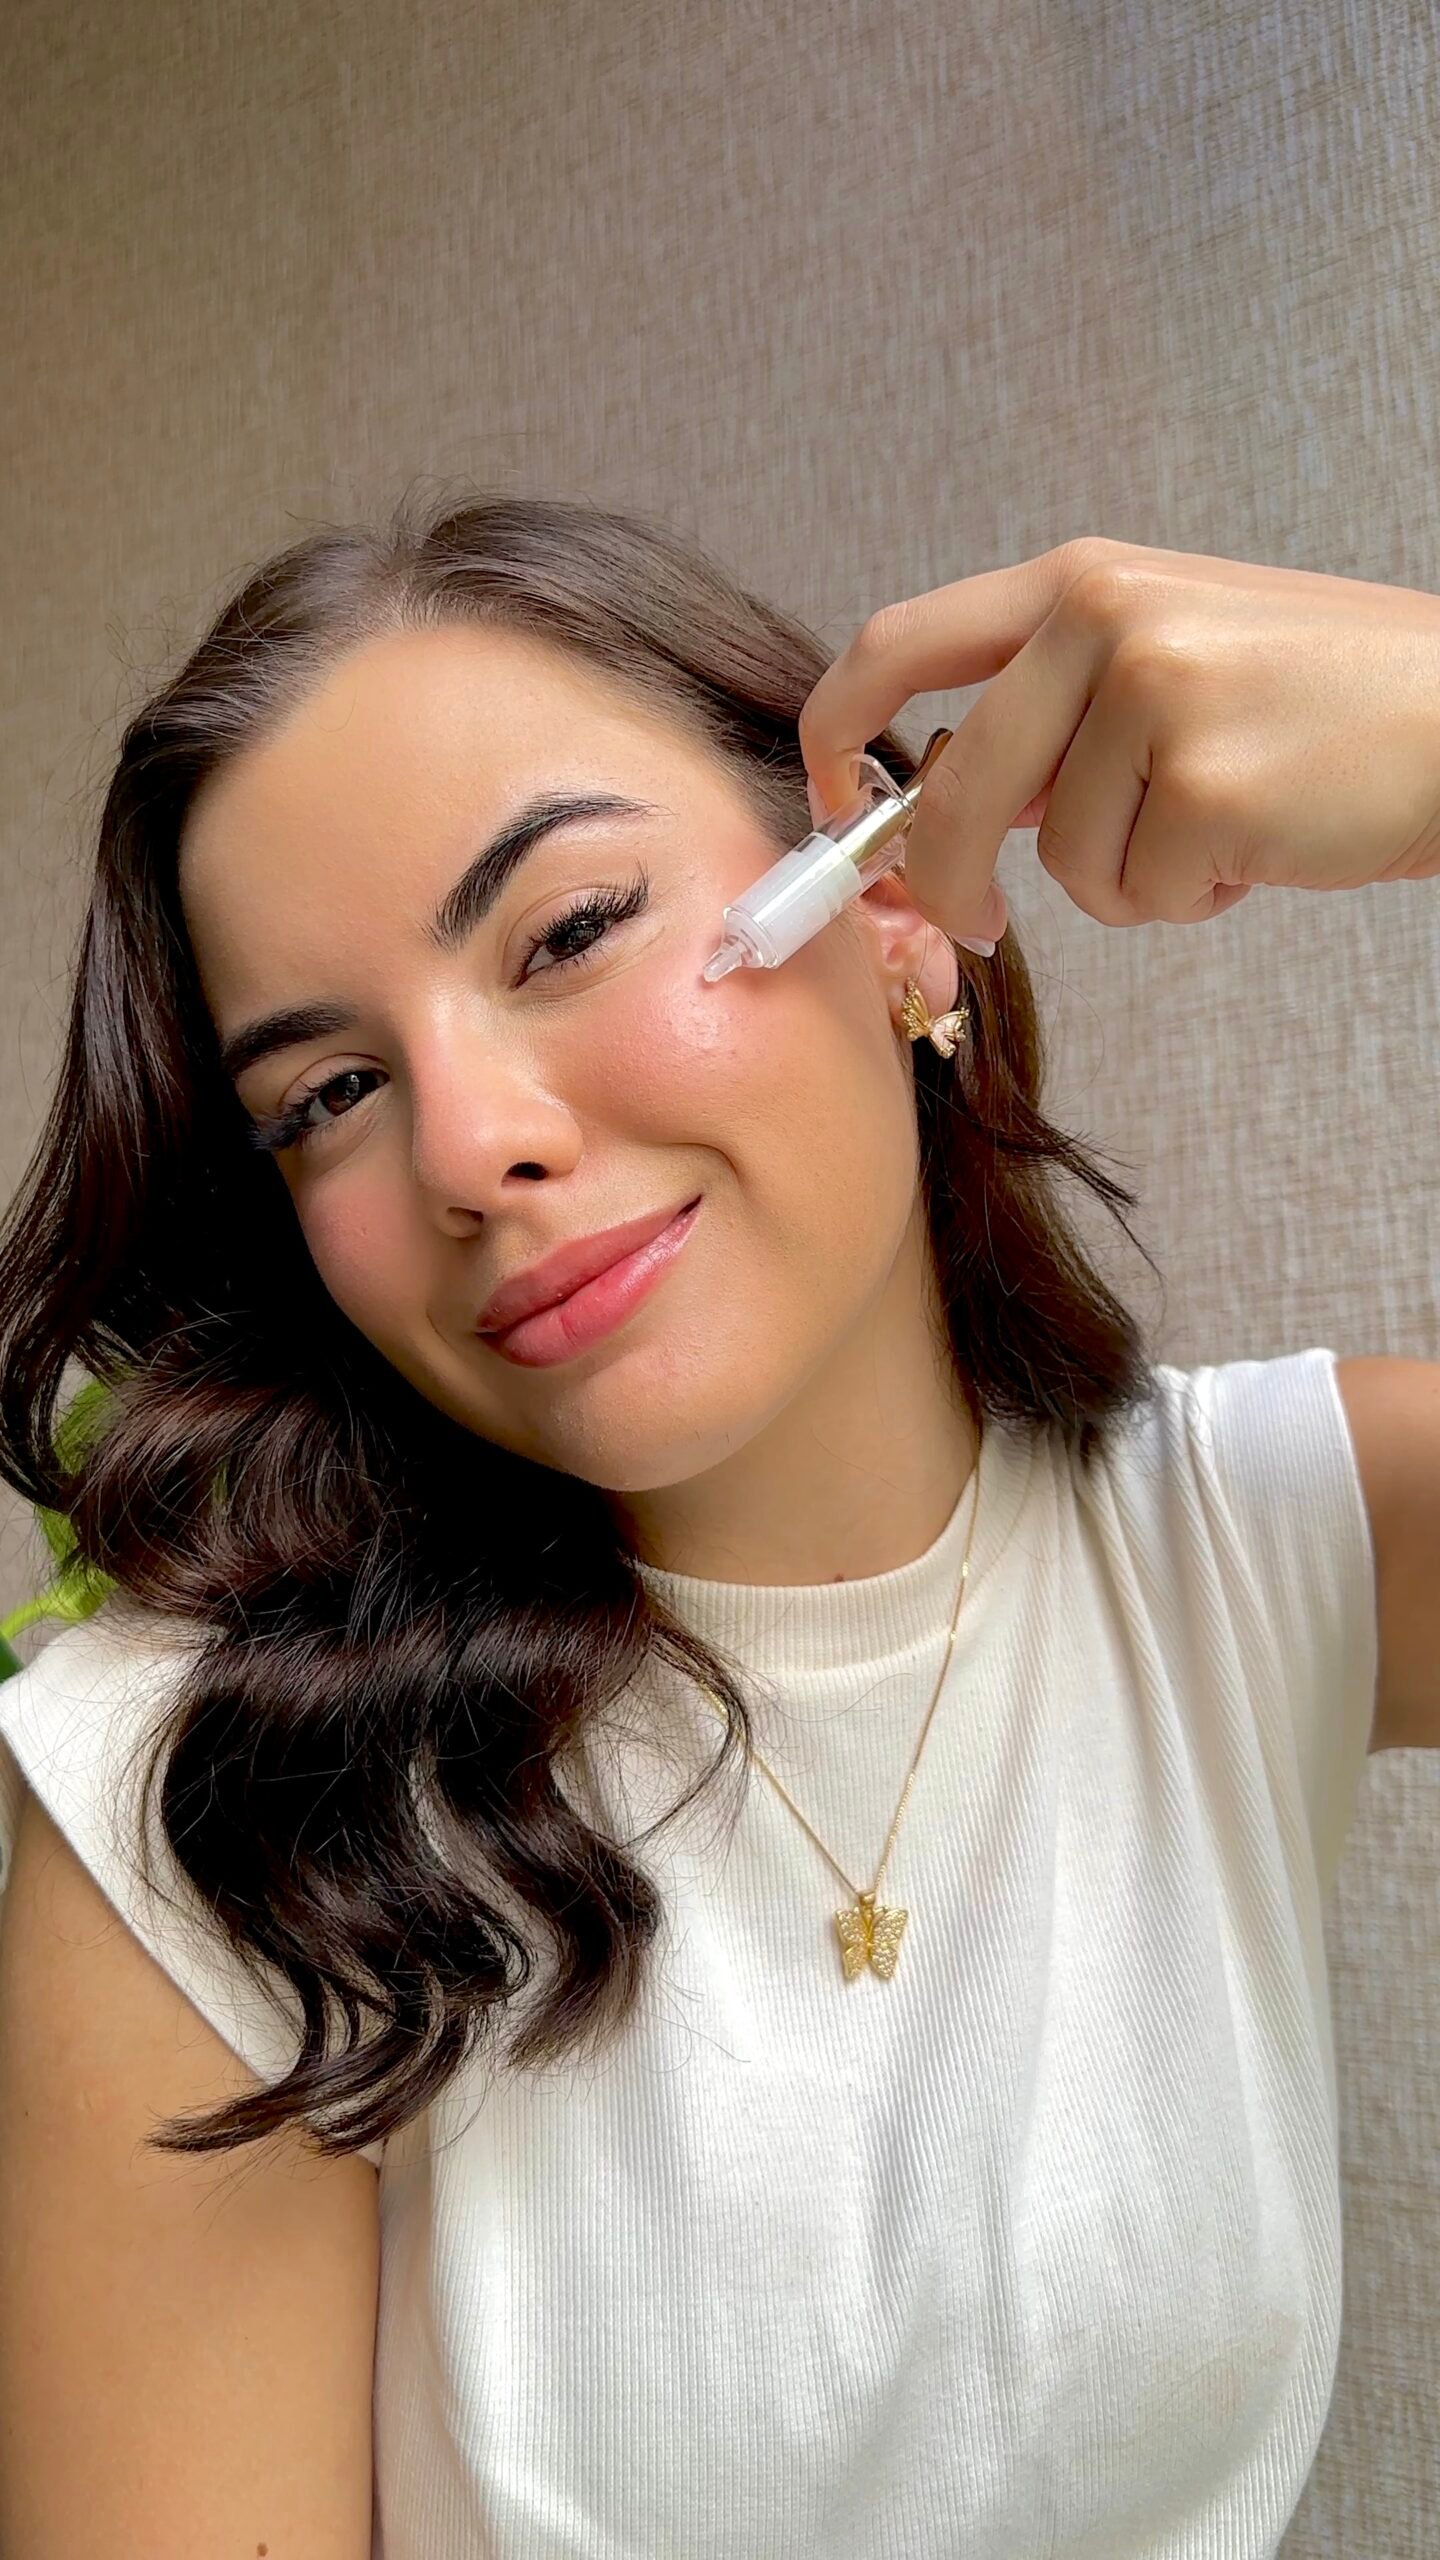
1008, 748
1175, 865
1032, 813
1093, 805
955, 635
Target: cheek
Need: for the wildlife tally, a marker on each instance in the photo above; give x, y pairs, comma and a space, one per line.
659, 1040
357, 1245
793, 1070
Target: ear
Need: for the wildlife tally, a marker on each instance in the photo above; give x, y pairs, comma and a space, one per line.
906, 947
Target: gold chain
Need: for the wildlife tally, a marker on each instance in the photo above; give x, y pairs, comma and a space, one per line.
868, 1933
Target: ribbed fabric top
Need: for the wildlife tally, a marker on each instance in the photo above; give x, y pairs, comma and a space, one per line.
1032, 2250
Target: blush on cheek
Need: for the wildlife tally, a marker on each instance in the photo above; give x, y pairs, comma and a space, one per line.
663, 1022
667, 1022
360, 1257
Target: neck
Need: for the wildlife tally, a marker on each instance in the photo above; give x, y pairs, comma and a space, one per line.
856, 1475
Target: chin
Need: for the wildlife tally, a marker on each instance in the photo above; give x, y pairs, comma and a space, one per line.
654, 1413
644, 1454
633, 1429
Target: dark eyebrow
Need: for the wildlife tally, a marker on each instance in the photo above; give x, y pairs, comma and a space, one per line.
460, 911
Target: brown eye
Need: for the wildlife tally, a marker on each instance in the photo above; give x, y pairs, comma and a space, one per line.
294, 1128
587, 922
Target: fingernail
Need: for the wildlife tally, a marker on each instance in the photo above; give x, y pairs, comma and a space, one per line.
817, 805
985, 949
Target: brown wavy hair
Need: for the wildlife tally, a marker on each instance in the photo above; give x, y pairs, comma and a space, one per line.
392, 1610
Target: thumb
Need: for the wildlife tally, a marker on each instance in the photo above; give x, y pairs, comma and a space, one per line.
820, 808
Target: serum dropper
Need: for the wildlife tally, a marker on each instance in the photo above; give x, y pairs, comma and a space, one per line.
806, 889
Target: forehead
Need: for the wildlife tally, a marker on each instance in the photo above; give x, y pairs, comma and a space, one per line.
409, 712
414, 734
382, 780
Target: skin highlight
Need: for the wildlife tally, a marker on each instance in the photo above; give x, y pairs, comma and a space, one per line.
783, 1407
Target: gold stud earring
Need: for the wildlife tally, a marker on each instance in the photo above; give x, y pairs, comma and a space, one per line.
943, 1030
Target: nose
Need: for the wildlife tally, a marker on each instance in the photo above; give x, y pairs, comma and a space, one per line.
483, 1119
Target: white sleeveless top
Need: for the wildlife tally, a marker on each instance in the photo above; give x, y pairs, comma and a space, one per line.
1033, 2249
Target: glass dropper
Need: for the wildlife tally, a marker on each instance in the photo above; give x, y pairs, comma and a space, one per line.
806, 889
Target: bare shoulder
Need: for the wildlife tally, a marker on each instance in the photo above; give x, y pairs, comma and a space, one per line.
1393, 1410
186, 2344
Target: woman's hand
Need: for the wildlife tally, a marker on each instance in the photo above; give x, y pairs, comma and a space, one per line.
1182, 729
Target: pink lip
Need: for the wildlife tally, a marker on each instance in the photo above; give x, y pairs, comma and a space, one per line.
568, 1267
568, 1327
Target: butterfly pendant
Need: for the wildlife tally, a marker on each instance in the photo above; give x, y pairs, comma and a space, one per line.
870, 1936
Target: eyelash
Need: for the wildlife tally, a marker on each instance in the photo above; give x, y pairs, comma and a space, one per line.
599, 907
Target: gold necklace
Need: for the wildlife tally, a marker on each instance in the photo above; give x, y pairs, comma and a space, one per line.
869, 1933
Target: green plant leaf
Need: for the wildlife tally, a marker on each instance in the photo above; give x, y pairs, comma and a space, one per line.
77, 1428
77, 1590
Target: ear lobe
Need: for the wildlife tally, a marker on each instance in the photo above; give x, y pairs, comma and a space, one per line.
938, 975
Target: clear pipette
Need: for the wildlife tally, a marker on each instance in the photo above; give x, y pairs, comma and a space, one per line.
806, 889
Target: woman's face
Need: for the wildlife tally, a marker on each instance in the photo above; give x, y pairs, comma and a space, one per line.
508, 1081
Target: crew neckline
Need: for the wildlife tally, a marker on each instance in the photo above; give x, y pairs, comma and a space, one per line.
775, 1628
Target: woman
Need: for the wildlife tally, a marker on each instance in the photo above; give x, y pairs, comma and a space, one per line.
780, 1799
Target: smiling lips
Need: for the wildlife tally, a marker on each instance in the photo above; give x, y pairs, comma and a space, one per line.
583, 1291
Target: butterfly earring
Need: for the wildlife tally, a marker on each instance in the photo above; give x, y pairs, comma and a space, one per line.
943, 1030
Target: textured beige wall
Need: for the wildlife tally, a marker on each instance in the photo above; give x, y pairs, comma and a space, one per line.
867, 298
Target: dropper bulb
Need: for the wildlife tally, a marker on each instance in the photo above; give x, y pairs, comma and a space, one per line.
728, 957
